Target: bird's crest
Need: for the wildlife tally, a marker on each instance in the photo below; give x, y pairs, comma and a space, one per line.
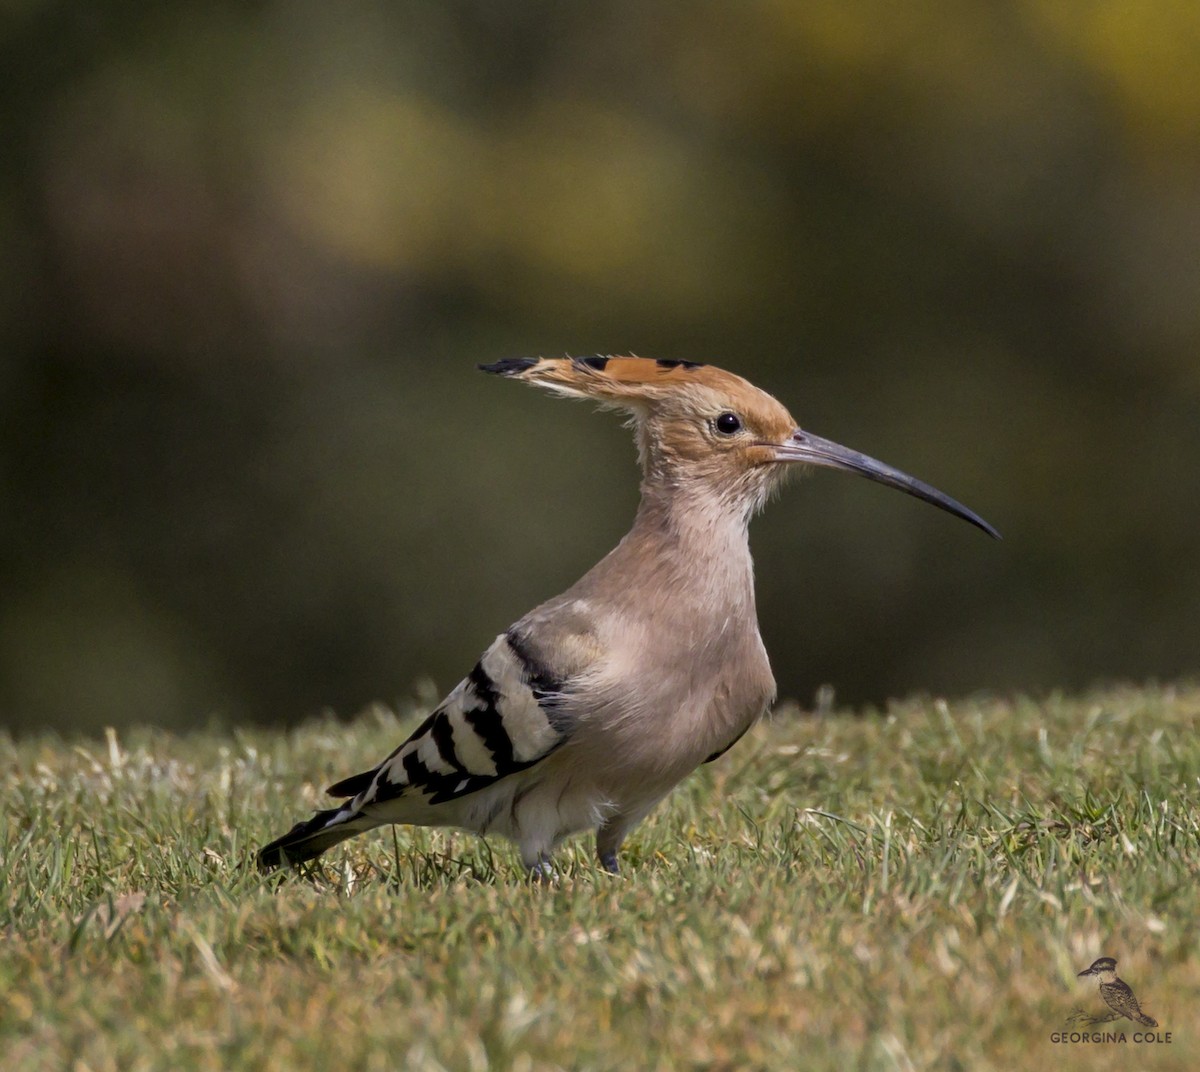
630, 383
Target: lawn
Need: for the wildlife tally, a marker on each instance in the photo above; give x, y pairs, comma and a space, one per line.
908, 889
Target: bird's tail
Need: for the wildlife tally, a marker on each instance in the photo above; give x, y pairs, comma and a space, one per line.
1148, 1021
307, 840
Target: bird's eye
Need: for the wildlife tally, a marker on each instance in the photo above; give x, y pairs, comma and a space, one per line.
728, 423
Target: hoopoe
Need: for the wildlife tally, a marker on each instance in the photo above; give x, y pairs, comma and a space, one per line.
587, 711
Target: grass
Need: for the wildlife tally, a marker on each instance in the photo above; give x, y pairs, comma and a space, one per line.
903, 891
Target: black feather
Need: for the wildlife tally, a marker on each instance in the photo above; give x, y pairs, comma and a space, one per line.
721, 751
305, 841
443, 739
510, 366
352, 786
547, 689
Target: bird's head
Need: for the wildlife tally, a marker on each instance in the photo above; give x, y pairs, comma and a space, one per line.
1099, 967
698, 425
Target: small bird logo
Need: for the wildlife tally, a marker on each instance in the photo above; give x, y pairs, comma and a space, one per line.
587, 711
1116, 993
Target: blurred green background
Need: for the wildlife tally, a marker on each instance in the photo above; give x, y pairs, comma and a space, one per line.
252, 252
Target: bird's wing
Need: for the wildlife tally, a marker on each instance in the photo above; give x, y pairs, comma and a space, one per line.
508, 713
1119, 997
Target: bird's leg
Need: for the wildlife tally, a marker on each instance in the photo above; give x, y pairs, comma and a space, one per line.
538, 866
1078, 1016
608, 841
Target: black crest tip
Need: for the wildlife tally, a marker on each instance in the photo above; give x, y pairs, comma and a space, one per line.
509, 366
596, 364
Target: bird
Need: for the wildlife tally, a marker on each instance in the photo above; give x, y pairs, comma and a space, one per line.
586, 712
1116, 992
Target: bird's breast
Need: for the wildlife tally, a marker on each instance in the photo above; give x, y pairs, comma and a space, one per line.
659, 706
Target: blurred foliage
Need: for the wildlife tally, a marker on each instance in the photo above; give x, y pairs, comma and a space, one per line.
252, 251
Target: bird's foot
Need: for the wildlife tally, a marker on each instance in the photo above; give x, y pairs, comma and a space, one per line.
608, 860
542, 871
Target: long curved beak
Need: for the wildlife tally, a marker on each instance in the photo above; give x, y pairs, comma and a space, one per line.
813, 450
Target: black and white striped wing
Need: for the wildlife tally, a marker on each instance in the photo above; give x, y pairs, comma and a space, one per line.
505, 715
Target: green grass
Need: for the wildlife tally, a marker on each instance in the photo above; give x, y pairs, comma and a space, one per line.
915, 890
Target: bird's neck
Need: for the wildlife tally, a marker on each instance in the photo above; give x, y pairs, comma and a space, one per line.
692, 514
691, 541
